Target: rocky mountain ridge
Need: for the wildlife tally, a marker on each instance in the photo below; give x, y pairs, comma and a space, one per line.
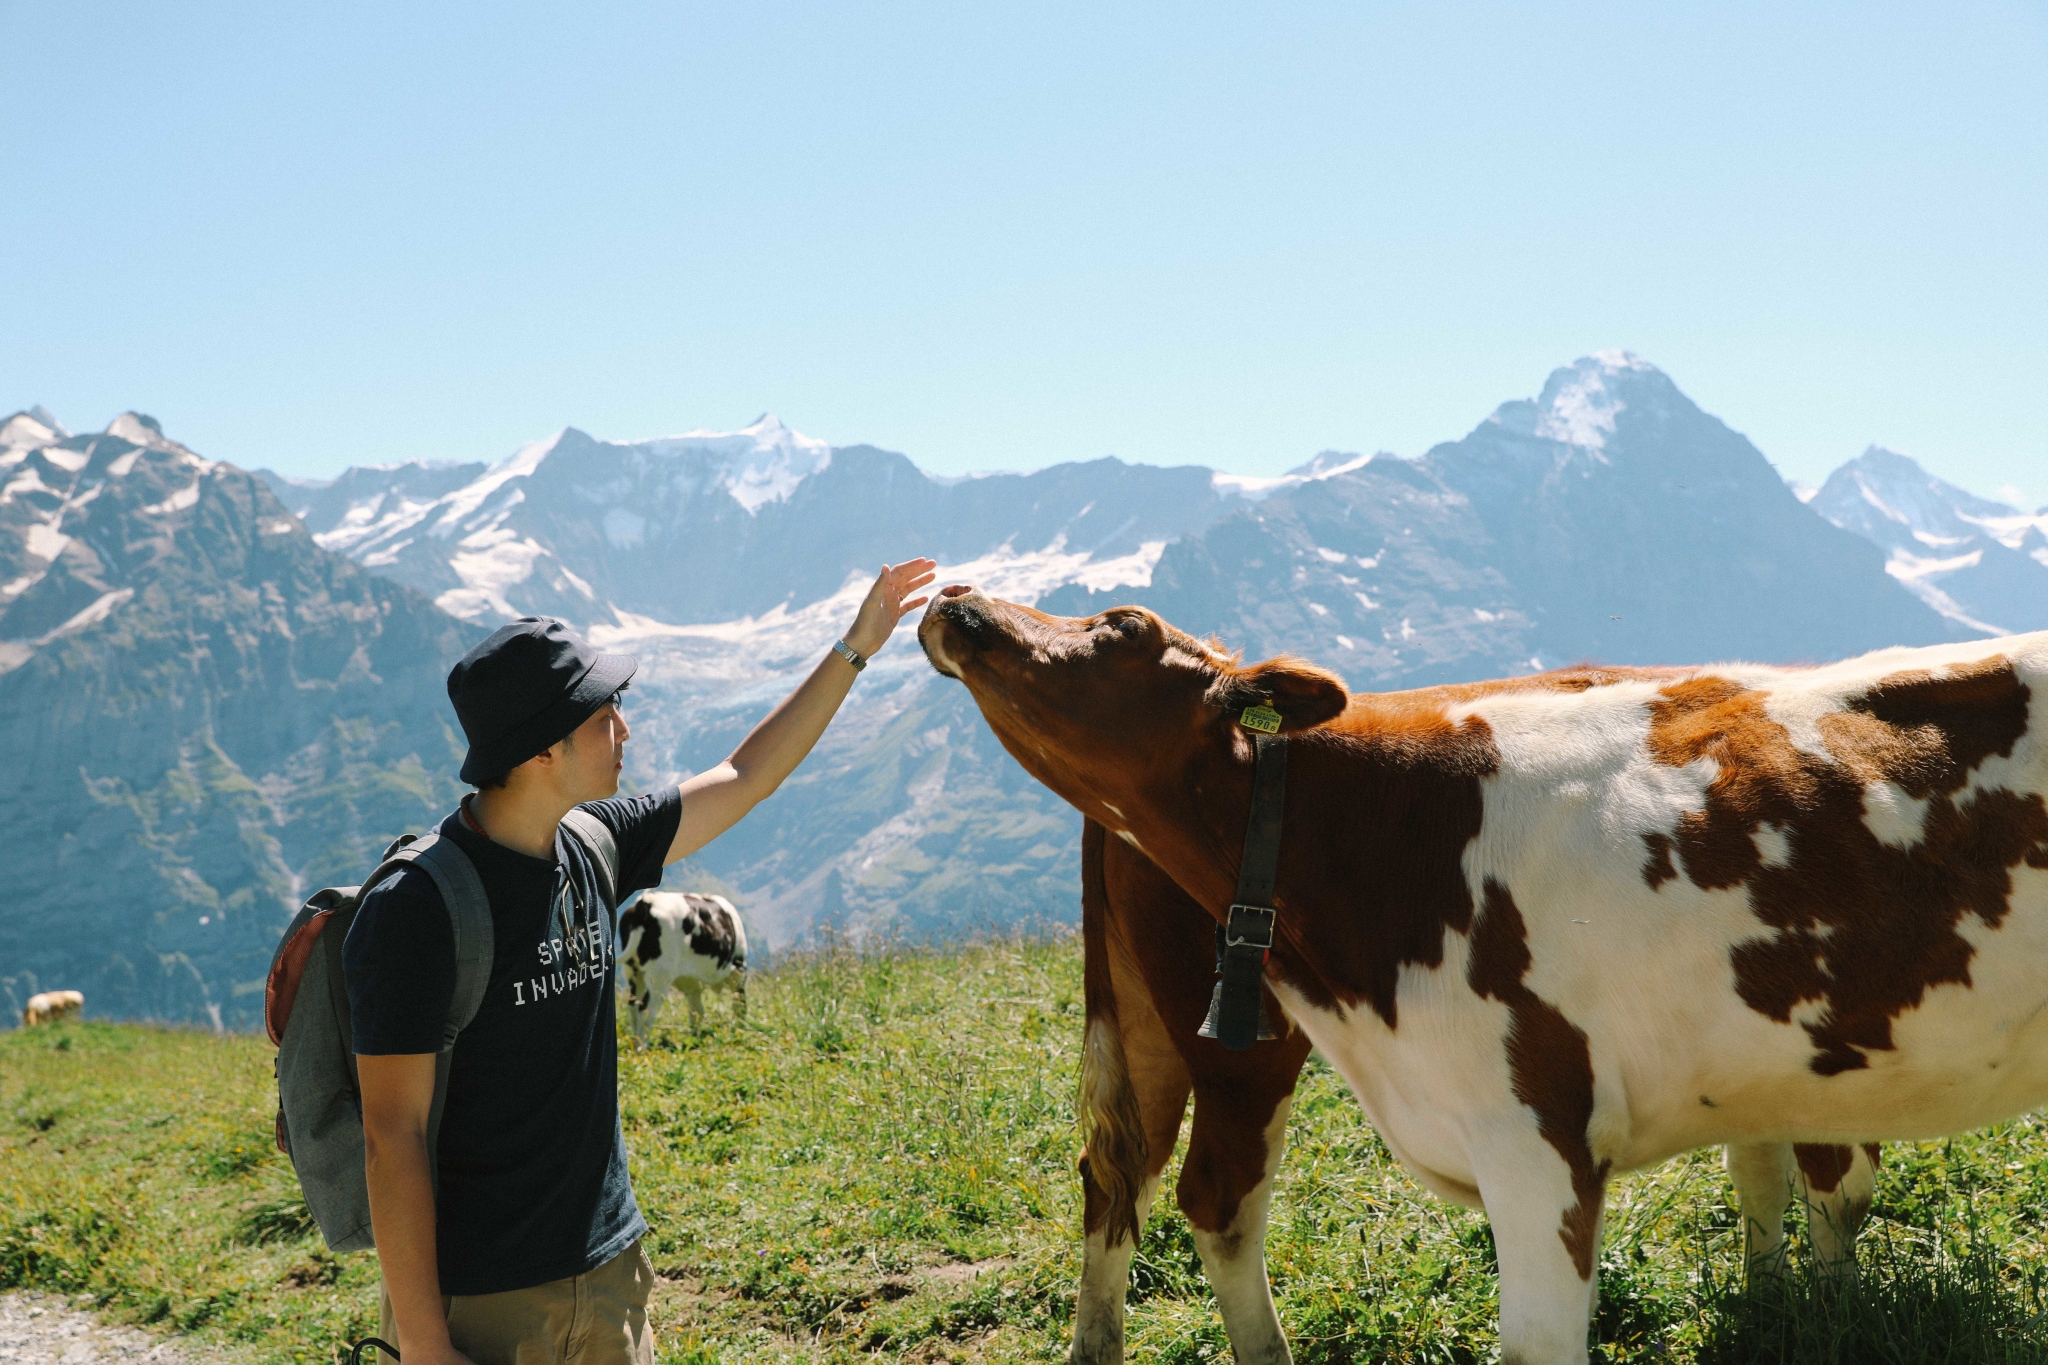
1980, 563
1606, 518
204, 715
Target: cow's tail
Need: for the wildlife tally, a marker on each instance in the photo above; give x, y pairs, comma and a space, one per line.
1113, 1166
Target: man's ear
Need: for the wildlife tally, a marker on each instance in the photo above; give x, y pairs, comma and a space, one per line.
1304, 695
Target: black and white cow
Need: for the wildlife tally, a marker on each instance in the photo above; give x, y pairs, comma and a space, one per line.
685, 941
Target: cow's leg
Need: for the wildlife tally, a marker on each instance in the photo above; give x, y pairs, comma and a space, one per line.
739, 993
652, 995
1134, 1091
693, 991
1836, 1184
636, 1004
1546, 1232
1226, 1184
1157, 933
1764, 1175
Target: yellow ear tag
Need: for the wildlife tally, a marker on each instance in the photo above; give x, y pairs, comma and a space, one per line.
1260, 717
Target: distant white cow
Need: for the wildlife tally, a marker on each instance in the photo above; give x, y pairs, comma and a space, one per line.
685, 941
51, 1006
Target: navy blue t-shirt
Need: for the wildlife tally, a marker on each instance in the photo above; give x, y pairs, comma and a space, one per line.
533, 1183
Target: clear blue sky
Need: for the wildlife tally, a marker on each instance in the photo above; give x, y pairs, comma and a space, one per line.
313, 235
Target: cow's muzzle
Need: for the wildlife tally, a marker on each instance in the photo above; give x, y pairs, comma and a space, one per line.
946, 621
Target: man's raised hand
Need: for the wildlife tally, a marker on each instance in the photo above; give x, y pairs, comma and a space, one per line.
885, 603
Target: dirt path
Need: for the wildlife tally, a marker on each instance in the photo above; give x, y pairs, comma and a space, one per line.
39, 1329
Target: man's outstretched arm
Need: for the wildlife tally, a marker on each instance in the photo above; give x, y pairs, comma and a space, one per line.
714, 800
398, 1096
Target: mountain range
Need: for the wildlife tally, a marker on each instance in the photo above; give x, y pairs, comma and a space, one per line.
1978, 562
204, 714
231, 682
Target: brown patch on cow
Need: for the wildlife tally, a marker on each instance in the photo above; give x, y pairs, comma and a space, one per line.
1391, 854
1862, 927
1658, 869
1549, 1063
1929, 732
1824, 1165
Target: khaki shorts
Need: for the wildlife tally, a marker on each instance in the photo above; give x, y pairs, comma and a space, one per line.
596, 1318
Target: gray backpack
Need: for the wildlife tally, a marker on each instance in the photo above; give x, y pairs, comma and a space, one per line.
319, 1103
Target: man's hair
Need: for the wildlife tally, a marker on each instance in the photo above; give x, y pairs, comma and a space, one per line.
497, 783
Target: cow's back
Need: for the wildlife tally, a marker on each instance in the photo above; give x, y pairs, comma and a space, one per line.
1784, 902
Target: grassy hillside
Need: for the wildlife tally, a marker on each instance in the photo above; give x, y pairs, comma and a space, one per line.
878, 1165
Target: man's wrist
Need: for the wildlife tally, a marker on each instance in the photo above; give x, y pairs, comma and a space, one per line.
851, 652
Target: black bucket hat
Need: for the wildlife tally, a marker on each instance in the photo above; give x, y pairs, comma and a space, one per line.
527, 687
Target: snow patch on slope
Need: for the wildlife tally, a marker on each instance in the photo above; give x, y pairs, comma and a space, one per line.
15, 653
1253, 488
179, 501
488, 562
783, 633
1919, 575
464, 501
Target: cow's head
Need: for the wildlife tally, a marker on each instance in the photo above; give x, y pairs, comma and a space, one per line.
1104, 709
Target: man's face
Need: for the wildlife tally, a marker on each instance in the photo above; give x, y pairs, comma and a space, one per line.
590, 759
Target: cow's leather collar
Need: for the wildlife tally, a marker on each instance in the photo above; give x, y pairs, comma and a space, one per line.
1237, 1007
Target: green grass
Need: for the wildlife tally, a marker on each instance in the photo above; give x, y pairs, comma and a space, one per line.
878, 1166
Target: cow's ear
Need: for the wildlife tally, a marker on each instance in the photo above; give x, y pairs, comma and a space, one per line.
1304, 695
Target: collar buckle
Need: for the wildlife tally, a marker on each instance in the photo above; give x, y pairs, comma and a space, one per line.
1250, 926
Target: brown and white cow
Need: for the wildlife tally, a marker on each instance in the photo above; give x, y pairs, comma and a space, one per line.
50, 1006
1149, 963
1561, 926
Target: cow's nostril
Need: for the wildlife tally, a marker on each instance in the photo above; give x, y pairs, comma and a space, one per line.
956, 590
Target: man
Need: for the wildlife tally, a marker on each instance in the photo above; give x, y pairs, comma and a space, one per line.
532, 1252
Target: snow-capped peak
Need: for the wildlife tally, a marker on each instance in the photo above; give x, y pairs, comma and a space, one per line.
1579, 402
458, 506
31, 430
137, 428
1970, 558
760, 463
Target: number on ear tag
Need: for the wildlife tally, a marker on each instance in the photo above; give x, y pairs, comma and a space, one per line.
1262, 718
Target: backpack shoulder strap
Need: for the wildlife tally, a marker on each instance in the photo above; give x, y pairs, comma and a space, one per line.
469, 915
596, 836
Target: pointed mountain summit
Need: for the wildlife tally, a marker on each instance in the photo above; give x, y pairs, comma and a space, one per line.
1643, 530
137, 427
1978, 562
31, 430
1582, 401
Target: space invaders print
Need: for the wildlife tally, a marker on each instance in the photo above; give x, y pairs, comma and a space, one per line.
568, 964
